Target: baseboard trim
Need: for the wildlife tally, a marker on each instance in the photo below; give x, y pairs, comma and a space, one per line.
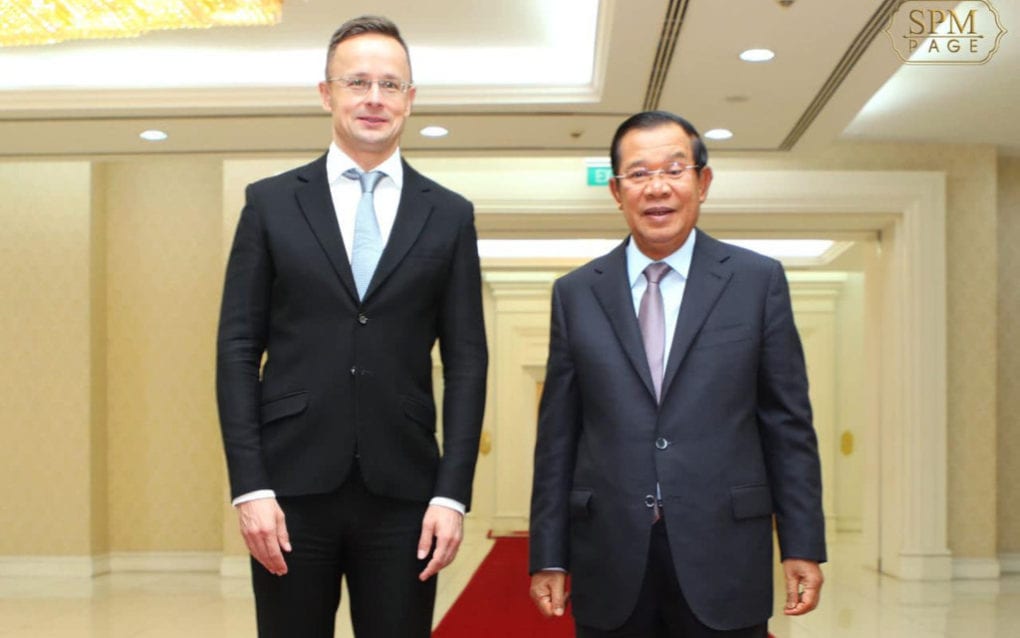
976, 568
235, 566
848, 524
165, 561
1009, 563
50, 566
88, 566
507, 524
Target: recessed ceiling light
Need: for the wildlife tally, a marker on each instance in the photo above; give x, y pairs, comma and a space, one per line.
757, 55
719, 134
153, 135
434, 131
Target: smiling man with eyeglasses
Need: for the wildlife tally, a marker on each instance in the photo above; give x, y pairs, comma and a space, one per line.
675, 424
344, 273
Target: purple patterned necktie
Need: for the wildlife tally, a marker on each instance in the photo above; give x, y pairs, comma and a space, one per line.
652, 320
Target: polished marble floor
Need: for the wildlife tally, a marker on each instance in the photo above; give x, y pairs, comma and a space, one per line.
856, 602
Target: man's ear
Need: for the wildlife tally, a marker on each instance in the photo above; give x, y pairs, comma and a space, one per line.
614, 188
704, 181
411, 93
324, 96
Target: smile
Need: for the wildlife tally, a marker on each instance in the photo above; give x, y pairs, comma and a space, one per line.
658, 211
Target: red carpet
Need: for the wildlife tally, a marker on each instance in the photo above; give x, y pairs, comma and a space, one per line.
495, 603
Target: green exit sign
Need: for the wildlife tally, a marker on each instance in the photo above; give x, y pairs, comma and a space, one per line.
599, 175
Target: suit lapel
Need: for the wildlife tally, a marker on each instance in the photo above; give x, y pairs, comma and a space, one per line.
706, 280
612, 290
412, 213
316, 205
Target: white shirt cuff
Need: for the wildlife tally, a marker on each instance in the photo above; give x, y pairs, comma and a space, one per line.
442, 501
251, 496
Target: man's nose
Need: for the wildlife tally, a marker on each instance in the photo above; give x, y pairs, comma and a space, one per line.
658, 185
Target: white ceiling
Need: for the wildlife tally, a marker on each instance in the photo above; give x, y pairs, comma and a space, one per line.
518, 77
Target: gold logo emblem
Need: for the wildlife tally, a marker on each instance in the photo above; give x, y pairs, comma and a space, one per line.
945, 32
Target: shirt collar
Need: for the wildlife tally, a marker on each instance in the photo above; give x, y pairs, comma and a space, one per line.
337, 162
680, 260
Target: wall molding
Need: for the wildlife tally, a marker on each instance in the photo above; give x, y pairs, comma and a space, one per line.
119, 563
164, 562
1009, 563
70, 566
235, 566
976, 568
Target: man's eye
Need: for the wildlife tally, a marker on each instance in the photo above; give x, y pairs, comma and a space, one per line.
639, 175
388, 85
675, 171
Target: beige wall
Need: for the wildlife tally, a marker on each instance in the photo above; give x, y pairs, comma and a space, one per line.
163, 285
972, 273
99, 442
134, 267
1009, 355
46, 373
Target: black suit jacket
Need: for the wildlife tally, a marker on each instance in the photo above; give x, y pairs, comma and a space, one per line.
342, 377
731, 443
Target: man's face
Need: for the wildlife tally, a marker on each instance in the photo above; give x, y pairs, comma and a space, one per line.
368, 126
661, 212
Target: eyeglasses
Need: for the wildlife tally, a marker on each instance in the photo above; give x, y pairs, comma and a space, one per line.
641, 176
361, 86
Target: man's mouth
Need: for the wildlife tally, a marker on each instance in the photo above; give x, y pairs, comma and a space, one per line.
658, 211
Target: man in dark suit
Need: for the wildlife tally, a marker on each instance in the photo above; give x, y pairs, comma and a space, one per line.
675, 423
344, 273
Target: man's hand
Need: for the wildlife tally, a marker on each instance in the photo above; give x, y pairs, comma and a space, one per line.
548, 591
803, 585
265, 533
446, 526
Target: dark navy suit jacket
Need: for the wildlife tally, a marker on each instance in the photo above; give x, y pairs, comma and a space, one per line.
343, 376
732, 443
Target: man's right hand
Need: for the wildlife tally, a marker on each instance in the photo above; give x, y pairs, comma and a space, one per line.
548, 591
265, 532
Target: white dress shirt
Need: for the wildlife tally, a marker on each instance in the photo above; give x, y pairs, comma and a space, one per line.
346, 193
672, 284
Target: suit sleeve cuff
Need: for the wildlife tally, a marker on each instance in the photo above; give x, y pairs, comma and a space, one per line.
442, 501
251, 496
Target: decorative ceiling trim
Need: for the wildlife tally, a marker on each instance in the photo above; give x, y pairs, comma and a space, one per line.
664, 54
846, 64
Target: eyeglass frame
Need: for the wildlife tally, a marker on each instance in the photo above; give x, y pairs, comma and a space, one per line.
660, 171
345, 81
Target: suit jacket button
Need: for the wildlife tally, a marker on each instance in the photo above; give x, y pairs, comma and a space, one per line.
362, 319
650, 500
661, 443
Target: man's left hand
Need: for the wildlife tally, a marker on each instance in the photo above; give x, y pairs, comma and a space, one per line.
803, 585
446, 526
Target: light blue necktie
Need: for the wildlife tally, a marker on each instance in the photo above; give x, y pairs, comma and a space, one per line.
368, 244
